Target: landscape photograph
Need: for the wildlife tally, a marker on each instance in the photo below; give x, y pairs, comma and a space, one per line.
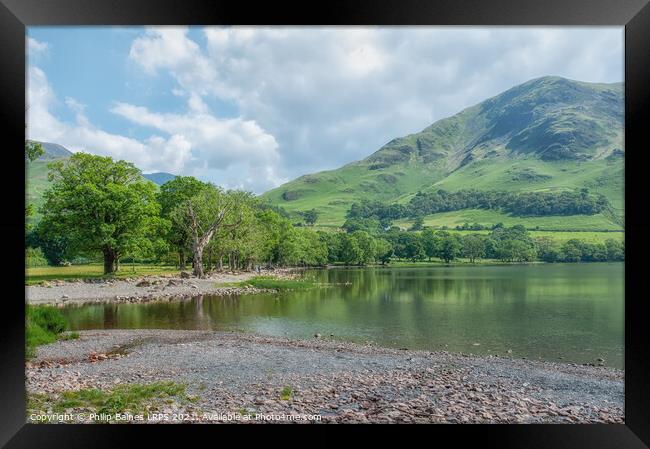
347, 225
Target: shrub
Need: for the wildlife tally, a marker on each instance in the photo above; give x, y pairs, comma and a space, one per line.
34, 257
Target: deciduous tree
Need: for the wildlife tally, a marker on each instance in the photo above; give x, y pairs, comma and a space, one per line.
101, 205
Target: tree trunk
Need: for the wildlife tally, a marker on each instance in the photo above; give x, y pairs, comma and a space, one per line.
181, 259
198, 261
220, 262
117, 263
109, 261
210, 259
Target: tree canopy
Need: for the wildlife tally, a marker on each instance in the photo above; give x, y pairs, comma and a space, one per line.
102, 205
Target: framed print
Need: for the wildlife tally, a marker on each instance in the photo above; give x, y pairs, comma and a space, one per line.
404, 213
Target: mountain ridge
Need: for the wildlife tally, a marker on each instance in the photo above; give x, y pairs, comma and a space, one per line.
532, 136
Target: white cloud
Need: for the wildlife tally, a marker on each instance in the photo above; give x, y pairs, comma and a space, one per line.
35, 47
331, 95
154, 154
308, 99
194, 143
219, 144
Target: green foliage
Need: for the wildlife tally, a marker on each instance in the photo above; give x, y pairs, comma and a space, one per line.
172, 195
36, 336
124, 398
103, 206
300, 246
311, 216
383, 250
418, 224
370, 225
524, 204
431, 243
33, 150
34, 258
54, 244
43, 325
38, 275
48, 318
615, 250
269, 282
473, 247
572, 250
488, 218
450, 247
351, 252
546, 135
286, 393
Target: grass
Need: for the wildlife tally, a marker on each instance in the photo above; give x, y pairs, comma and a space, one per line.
286, 393
124, 398
270, 282
563, 236
332, 192
36, 275
44, 325
452, 219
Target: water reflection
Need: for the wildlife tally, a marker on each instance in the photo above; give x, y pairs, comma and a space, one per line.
572, 311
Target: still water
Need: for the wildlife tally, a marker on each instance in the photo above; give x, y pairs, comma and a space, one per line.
557, 312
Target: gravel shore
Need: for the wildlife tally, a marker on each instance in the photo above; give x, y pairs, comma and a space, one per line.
142, 289
240, 373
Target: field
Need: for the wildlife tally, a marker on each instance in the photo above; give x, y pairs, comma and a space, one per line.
563, 236
490, 217
94, 270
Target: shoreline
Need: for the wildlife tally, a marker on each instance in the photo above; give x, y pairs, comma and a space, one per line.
343, 382
174, 287
145, 288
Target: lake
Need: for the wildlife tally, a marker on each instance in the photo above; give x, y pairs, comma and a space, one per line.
557, 312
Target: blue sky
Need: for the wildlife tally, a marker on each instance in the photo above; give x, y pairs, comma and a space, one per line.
254, 107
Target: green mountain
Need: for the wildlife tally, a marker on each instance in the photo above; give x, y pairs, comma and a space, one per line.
54, 151
546, 134
36, 174
159, 177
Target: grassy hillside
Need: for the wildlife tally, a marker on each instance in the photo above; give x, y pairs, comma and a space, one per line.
547, 134
490, 217
37, 184
563, 236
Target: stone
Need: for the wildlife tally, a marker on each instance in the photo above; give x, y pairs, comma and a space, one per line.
143, 283
185, 275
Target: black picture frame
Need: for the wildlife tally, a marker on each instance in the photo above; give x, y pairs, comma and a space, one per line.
15, 15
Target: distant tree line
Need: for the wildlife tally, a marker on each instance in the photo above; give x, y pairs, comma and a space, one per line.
100, 208
515, 203
507, 244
